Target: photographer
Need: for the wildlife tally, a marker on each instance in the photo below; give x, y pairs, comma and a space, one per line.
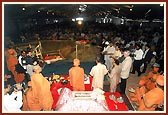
13, 101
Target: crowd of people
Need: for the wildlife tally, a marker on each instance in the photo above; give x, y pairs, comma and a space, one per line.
121, 54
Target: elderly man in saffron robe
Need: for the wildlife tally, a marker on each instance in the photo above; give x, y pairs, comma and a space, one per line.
145, 84
76, 75
153, 98
41, 88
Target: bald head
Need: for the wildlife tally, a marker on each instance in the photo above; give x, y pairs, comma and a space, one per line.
76, 62
37, 69
10, 51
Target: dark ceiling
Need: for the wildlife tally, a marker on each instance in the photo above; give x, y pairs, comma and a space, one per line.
88, 11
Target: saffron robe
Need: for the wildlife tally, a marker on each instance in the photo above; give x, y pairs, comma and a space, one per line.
11, 61
76, 75
154, 97
30, 103
41, 91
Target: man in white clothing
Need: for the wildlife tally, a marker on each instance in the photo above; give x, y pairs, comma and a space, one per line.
98, 72
108, 52
12, 102
125, 70
138, 54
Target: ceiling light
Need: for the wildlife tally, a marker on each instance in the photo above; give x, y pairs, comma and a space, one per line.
23, 8
80, 22
80, 19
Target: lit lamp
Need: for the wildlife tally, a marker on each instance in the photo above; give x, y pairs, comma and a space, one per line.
80, 22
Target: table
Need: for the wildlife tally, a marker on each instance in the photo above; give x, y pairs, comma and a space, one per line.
112, 104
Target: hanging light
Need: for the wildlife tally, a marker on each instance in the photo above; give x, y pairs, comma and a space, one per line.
79, 19
79, 22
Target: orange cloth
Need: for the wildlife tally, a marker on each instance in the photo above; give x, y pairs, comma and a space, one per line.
11, 61
136, 97
30, 103
147, 83
150, 84
150, 74
160, 80
19, 77
144, 79
154, 96
76, 75
41, 91
149, 80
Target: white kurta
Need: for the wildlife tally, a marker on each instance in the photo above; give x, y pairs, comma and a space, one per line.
126, 67
13, 102
107, 58
138, 54
98, 71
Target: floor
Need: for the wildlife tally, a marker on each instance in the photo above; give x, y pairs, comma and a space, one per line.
132, 82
